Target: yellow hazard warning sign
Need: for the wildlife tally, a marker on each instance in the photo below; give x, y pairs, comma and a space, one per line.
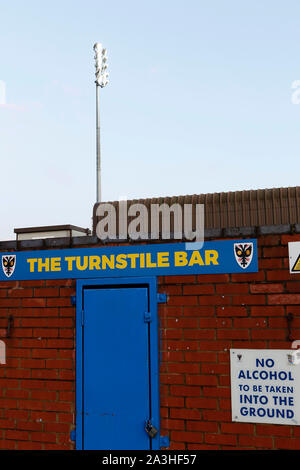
296, 267
294, 257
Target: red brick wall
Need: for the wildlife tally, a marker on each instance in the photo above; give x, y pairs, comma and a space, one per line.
37, 387
205, 316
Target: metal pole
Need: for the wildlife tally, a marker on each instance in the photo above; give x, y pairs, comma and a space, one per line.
98, 149
101, 82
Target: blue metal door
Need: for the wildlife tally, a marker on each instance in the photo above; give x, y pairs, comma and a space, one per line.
116, 368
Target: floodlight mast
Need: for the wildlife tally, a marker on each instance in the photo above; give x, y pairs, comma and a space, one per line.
101, 81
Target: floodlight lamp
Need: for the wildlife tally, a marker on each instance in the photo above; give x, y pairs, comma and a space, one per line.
101, 65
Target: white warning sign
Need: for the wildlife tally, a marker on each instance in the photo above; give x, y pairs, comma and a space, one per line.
265, 385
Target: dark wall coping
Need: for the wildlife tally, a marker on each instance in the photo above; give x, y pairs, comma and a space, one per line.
85, 241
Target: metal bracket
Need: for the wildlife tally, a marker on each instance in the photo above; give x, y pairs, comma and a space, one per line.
73, 299
162, 298
164, 441
10, 324
73, 435
289, 319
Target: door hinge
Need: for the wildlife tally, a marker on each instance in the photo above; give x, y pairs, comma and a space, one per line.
82, 317
162, 298
147, 317
73, 299
73, 435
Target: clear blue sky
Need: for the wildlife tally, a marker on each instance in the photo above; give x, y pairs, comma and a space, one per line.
199, 101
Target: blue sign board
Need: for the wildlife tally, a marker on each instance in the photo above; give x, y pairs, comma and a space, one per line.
226, 256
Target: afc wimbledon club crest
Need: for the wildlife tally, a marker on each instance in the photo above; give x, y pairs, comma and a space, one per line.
8, 264
243, 253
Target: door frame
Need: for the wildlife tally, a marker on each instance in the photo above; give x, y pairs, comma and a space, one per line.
151, 283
